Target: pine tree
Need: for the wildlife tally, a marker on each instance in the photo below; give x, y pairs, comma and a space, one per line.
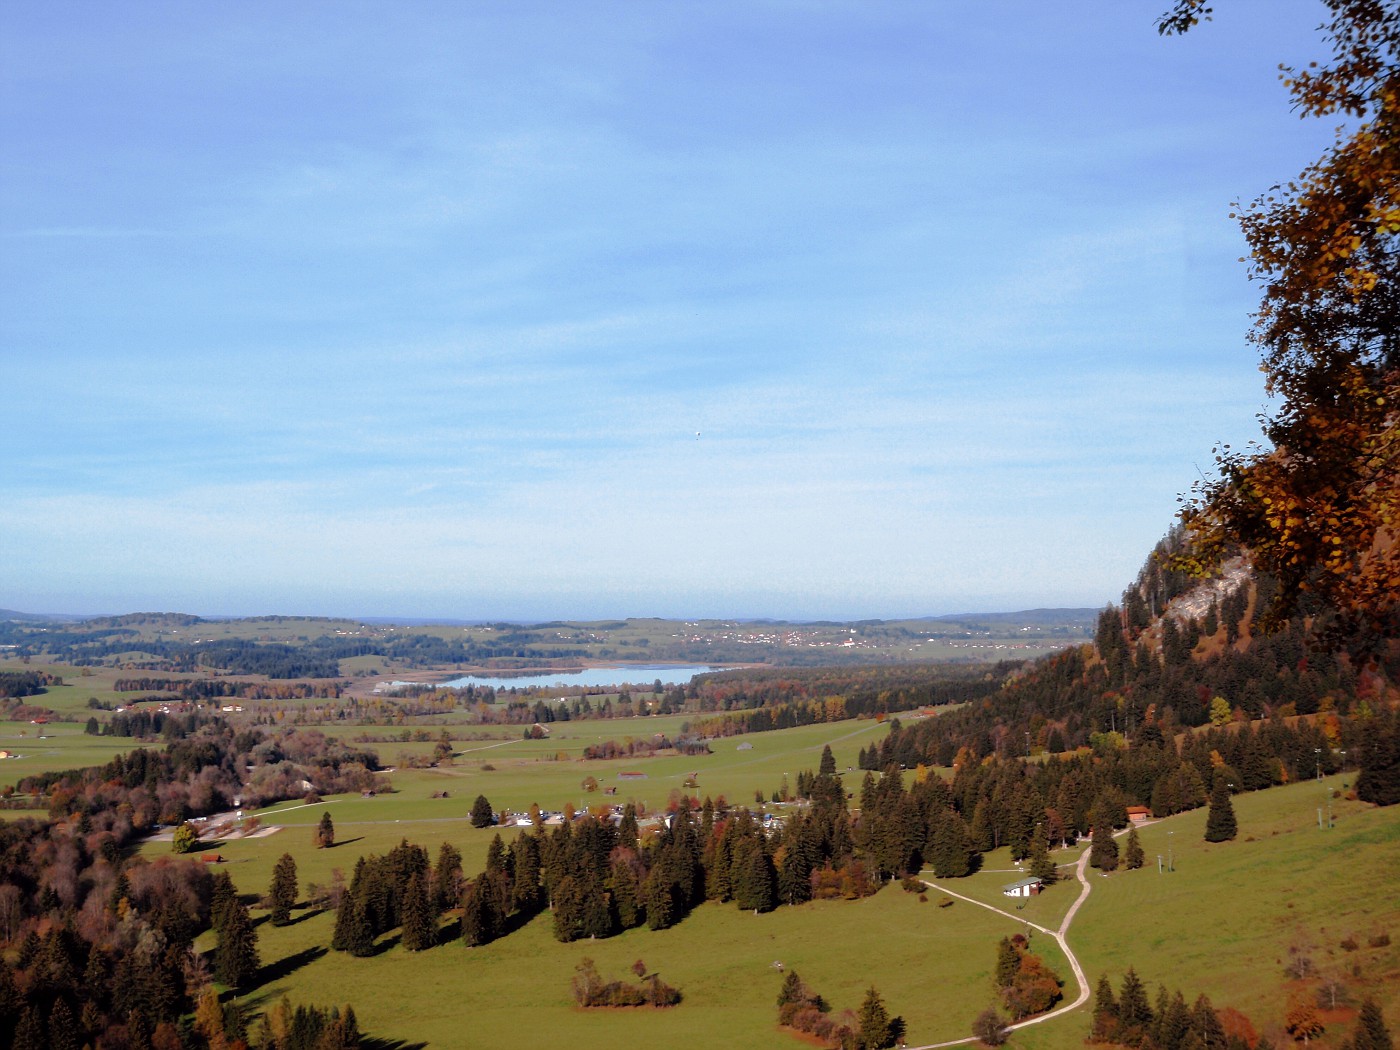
827, 766
1378, 781
222, 898
63, 1030
1008, 964
447, 877
756, 884
1133, 855
483, 816
236, 957
29, 1034
480, 920
282, 895
1134, 1014
660, 903
1038, 861
792, 990
874, 1022
352, 929
419, 915
1220, 821
949, 849
325, 831
1105, 1024
1103, 851
1371, 1032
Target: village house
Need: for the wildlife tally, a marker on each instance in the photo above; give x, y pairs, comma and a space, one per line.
1028, 887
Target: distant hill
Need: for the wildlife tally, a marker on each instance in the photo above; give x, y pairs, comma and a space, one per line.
1077, 617
13, 614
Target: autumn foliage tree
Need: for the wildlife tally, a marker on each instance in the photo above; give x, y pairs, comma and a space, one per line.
1319, 511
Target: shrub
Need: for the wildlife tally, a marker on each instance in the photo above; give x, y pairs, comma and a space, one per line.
990, 1027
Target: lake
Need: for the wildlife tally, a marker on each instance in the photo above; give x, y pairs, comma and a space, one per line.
637, 674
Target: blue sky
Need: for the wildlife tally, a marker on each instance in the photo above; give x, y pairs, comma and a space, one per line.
528, 310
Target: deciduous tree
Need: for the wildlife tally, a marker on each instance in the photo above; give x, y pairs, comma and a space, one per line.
1319, 511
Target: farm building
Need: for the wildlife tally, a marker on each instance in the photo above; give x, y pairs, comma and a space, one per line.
1139, 814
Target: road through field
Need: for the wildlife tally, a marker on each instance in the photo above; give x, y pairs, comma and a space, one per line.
1059, 936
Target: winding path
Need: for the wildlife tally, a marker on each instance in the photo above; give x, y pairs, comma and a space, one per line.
1059, 936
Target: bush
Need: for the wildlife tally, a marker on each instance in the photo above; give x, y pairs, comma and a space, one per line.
589, 990
1380, 940
990, 1027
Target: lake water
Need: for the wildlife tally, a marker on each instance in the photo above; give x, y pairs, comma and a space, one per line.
637, 674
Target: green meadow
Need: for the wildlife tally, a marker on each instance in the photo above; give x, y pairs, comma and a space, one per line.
1225, 922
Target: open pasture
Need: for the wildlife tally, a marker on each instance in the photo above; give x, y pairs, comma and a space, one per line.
1233, 915
931, 964
63, 746
1222, 924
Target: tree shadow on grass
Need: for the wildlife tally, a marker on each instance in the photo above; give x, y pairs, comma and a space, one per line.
384, 945
291, 964
309, 913
375, 1043
344, 842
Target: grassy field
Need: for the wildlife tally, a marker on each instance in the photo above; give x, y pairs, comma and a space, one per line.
64, 746
1222, 924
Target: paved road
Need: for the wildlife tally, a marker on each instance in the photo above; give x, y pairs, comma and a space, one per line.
1059, 936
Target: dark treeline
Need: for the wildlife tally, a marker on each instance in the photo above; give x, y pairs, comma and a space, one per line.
15, 684
213, 688
645, 746
172, 725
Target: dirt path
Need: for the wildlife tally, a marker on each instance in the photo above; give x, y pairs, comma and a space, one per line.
1059, 936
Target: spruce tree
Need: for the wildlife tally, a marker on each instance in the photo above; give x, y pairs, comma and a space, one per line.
756, 884
352, 929
222, 898
483, 816
874, 1022
282, 895
1038, 861
63, 1029
447, 877
419, 915
1105, 1023
1134, 1014
1008, 964
236, 957
1371, 1032
1133, 855
827, 766
1103, 851
1378, 781
325, 831
1220, 821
